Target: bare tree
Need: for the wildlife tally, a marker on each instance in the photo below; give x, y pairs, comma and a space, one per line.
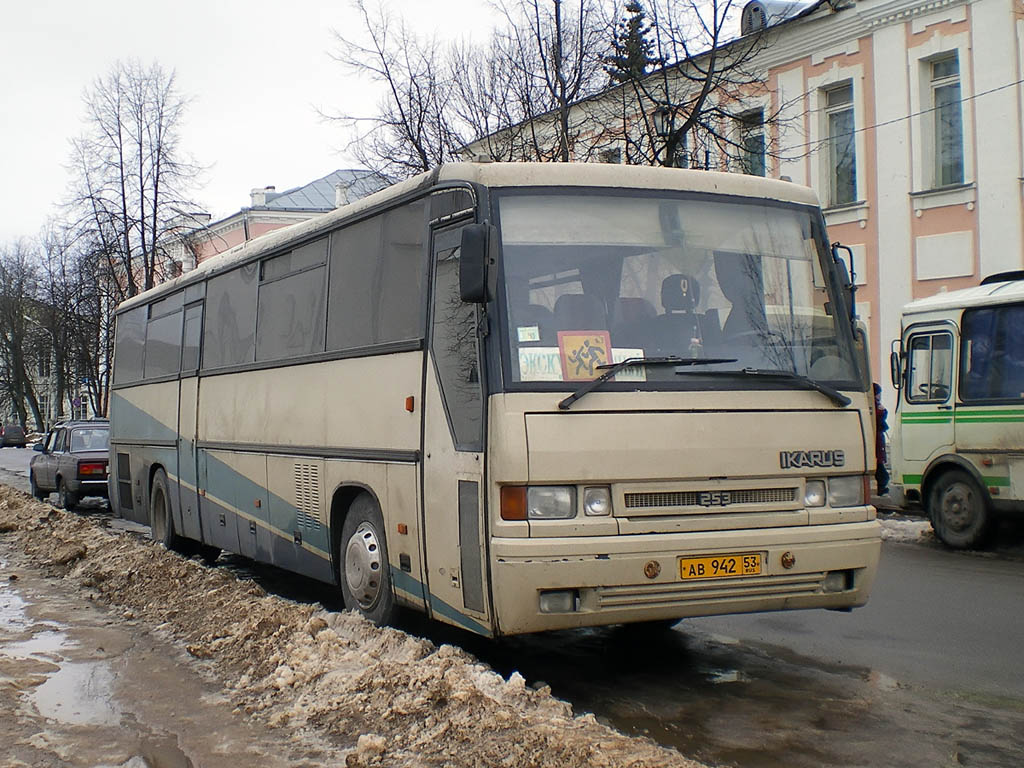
687, 100
555, 50
131, 179
516, 91
414, 129
19, 349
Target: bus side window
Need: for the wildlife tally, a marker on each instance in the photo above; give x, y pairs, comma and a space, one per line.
930, 369
1007, 369
977, 336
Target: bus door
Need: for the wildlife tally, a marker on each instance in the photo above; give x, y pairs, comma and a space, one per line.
926, 418
188, 402
454, 527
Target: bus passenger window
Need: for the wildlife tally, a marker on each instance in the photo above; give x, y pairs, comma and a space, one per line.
1007, 378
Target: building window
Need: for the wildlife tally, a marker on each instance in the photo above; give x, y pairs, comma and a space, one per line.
948, 123
842, 166
613, 156
751, 140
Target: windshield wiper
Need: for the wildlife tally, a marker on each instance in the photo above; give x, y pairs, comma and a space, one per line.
610, 369
831, 393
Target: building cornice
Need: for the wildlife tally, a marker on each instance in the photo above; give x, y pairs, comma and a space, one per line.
836, 31
902, 10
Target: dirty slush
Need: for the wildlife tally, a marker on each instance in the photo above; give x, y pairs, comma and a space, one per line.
329, 687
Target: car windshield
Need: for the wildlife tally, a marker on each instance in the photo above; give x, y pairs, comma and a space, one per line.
90, 439
596, 279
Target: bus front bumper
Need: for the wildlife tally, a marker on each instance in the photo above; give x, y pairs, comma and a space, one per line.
559, 583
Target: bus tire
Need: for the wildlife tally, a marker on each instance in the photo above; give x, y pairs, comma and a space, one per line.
65, 498
959, 510
161, 521
363, 570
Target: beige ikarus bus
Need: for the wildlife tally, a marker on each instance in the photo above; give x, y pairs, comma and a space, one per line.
958, 439
516, 397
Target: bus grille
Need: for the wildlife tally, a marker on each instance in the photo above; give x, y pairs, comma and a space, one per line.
696, 592
710, 498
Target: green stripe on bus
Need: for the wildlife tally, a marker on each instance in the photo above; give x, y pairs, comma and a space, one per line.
990, 412
928, 420
990, 482
1002, 482
979, 420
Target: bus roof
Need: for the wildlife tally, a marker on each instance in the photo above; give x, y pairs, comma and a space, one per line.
978, 296
498, 175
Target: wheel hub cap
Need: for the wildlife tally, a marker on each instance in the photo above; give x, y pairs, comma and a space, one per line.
363, 566
956, 507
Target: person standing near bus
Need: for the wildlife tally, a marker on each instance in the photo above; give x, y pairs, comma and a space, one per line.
881, 427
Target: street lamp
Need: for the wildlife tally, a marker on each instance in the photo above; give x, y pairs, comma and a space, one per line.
662, 119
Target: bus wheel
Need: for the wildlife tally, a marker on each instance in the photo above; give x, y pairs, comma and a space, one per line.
161, 522
365, 576
959, 511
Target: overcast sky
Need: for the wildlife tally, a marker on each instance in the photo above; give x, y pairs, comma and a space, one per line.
256, 71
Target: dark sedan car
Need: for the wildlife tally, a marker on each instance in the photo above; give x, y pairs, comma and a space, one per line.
12, 435
73, 461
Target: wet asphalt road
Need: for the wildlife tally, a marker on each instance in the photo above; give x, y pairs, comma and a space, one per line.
929, 673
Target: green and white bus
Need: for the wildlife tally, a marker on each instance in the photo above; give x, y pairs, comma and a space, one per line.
516, 397
958, 440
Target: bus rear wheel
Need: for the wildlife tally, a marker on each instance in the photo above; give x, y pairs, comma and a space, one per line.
364, 573
959, 511
161, 521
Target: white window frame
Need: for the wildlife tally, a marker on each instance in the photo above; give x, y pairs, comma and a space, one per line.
743, 129
819, 165
829, 111
922, 123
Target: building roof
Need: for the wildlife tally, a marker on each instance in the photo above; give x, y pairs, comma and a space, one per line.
319, 195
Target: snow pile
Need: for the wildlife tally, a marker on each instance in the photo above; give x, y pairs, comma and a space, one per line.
907, 530
387, 698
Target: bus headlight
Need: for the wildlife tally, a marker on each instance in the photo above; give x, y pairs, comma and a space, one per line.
847, 491
550, 502
814, 493
597, 501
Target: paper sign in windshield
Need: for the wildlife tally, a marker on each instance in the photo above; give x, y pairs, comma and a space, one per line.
582, 352
527, 333
634, 372
540, 364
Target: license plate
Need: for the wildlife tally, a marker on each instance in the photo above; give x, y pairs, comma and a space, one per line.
720, 566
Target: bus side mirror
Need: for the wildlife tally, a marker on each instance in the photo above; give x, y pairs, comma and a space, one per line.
473, 263
895, 369
846, 276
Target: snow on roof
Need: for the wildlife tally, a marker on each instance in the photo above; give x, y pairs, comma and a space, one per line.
319, 195
980, 295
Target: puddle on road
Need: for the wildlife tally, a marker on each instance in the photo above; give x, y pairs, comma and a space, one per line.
79, 693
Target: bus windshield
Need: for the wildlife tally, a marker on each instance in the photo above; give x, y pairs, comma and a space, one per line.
593, 279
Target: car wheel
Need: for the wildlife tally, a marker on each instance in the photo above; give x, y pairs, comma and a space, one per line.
364, 573
959, 511
36, 491
65, 498
161, 521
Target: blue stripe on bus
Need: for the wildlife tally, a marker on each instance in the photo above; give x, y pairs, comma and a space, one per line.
142, 426
407, 583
